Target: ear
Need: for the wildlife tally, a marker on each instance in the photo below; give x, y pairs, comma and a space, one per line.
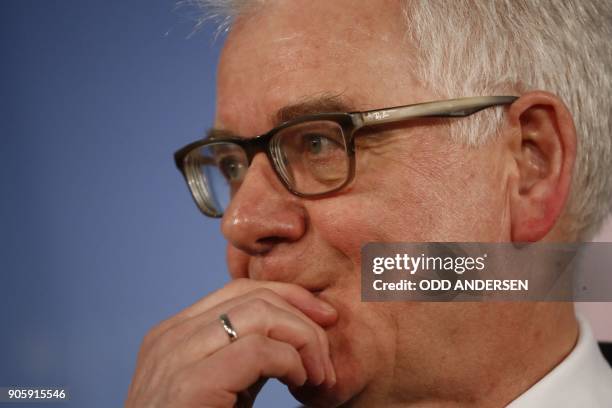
544, 150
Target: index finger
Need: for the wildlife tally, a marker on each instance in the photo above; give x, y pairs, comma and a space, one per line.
316, 309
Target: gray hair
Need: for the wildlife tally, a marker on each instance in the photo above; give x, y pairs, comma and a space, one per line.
512, 46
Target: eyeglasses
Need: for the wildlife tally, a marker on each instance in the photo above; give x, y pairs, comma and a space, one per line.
313, 155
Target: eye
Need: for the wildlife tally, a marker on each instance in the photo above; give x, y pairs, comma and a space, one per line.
232, 168
317, 144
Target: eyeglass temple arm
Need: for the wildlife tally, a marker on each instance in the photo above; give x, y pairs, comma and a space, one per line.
450, 108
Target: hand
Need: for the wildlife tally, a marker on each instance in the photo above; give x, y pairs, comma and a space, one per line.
189, 361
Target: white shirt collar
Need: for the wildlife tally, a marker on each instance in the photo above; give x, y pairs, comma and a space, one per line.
582, 379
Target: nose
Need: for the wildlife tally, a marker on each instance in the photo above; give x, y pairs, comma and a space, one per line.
262, 213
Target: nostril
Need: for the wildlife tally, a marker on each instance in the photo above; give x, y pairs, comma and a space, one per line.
269, 242
261, 216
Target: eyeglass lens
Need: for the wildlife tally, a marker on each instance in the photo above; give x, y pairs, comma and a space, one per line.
310, 157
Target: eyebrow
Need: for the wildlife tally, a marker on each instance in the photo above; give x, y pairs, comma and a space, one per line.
311, 105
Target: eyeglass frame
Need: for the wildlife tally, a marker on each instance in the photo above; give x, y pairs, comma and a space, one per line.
350, 123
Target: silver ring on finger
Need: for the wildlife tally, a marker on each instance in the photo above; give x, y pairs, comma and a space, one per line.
228, 327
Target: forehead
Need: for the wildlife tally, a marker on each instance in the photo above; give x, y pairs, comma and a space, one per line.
288, 51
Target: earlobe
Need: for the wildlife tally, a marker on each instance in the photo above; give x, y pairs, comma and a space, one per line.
544, 157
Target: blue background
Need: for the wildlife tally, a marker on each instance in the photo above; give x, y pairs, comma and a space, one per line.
99, 237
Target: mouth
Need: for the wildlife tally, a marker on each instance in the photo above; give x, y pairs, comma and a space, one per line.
316, 292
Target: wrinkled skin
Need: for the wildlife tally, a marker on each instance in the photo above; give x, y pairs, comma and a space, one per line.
412, 184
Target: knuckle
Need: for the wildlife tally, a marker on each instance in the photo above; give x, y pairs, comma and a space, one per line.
256, 341
167, 338
158, 342
157, 331
253, 350
308, 336
286, 352
236, 284
265, 293
259, 307
149, 338
315, 336
320, 333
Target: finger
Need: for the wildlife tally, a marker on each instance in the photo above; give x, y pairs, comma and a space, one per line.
260, 317
173, 348
236, 368
318, 310
273, 298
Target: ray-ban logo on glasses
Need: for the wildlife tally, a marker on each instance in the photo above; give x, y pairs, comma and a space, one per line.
377, 115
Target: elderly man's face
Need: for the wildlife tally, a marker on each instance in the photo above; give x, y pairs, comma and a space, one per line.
411, 184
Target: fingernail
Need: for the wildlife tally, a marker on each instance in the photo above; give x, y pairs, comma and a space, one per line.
330, 373
323, 366
333, 376
318, 372
317, 381
326, 307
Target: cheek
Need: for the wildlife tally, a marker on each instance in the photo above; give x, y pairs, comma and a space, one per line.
453, 198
